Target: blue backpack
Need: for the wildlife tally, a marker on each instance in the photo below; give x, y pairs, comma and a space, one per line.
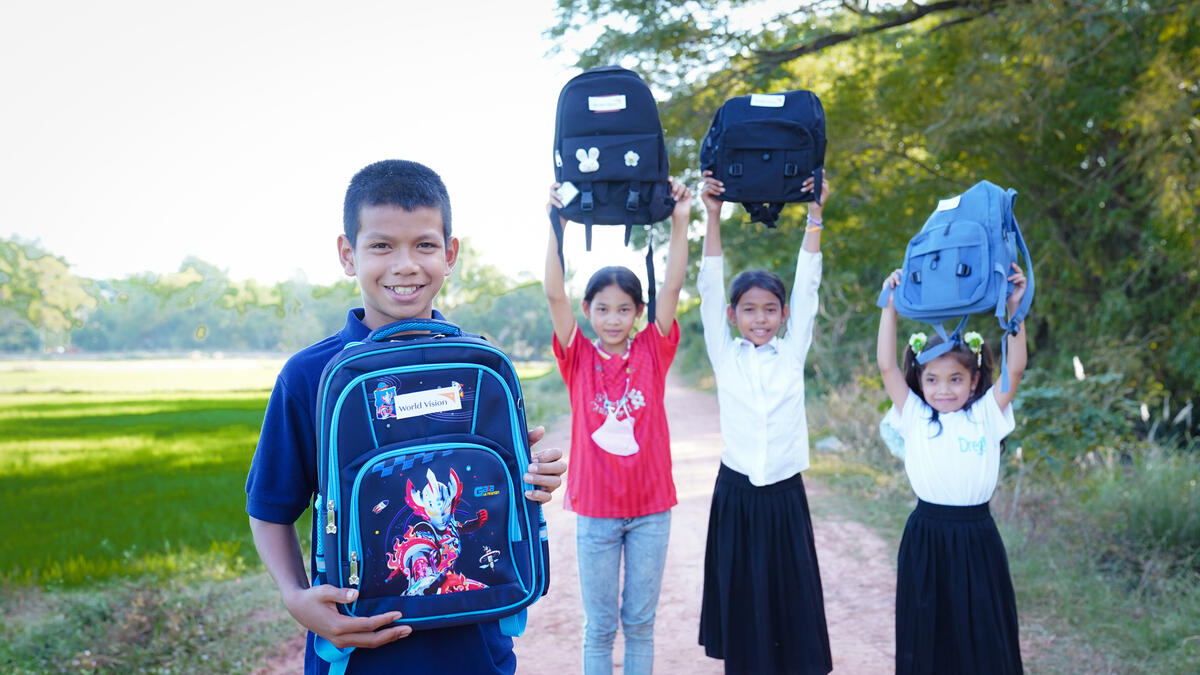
959, 263
763, 147
610, 156
422, 448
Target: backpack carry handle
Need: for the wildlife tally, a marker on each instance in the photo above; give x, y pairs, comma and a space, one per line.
424, 326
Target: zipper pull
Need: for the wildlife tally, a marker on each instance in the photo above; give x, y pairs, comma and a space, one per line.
331, 521
353, 568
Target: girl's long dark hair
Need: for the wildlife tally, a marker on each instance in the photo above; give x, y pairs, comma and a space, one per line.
963, 354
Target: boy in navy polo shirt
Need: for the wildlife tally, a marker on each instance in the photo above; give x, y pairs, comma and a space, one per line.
397, 243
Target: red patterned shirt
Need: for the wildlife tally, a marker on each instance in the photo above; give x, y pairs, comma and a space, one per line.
619, 389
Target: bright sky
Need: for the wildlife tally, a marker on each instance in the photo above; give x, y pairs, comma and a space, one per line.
134, 133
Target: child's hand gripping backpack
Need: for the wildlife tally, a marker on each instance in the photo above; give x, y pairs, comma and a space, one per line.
959, 264
610, 156
763, 147
422, 449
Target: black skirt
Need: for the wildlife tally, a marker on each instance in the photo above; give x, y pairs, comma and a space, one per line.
955, 608
762, 609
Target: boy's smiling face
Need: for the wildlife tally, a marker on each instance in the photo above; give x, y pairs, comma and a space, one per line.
400, 258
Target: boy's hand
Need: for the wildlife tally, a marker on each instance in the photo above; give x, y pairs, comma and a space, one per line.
545, 470
893, 282
1019, 284
683, 200
710, 189
316, 609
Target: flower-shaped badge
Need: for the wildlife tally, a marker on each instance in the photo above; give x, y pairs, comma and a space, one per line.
631, 158
917, 342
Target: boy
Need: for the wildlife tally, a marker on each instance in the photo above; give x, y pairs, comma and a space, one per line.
397, 243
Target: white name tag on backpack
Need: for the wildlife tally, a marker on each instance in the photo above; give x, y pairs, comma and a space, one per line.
948, 204
767, 100
419, 403
610, 103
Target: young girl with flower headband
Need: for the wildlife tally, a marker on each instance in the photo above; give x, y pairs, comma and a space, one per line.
619, 478
955, 608
762, 609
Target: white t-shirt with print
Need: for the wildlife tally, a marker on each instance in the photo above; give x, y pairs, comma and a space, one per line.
958, 466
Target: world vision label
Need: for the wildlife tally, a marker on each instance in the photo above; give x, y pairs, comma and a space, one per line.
419, 403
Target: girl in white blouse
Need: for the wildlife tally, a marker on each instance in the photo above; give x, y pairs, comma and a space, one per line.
762, 609
955, 608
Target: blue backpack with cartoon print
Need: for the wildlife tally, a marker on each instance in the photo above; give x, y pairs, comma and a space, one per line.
959, 264
422, 450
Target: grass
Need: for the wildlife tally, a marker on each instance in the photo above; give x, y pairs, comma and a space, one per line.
126, 546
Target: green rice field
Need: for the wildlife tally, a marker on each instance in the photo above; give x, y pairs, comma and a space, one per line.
129, 469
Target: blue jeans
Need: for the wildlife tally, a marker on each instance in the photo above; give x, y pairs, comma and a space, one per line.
598, 543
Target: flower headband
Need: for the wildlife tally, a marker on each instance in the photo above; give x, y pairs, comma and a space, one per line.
973, 341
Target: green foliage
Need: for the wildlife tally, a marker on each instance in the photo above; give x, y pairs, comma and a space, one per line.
37, 291
1088, 109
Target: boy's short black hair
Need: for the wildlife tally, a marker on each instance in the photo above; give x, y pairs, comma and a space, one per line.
394, 182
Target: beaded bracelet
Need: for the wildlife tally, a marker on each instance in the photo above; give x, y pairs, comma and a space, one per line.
813, 225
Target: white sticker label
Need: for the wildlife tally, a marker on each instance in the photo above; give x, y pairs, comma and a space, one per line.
567, 193
431, 401
610, 103
948, 204
766, 100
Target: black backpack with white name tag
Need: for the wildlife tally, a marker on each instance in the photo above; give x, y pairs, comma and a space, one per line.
610, 156
763, 147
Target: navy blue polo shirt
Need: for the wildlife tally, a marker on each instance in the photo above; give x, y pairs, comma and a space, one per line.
282, 484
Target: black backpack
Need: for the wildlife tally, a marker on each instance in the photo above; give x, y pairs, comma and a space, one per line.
608, 145
763, 147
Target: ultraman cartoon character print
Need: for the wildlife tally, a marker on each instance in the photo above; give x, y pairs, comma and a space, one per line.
429, 549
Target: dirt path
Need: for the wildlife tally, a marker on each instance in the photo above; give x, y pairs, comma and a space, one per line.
857, 571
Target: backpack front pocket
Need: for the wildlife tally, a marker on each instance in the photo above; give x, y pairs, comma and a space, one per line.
766, 160
946, 269
430, 525
616, 157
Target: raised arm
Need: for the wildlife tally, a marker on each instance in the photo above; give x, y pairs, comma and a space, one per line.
812, 229
668, 296
709, 191
561, 314
885, 349
1018, 352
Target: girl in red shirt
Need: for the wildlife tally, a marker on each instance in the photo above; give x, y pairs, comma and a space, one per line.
619, 477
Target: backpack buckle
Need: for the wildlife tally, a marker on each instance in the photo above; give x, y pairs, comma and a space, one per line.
964, 270
586, 203
735, 169
791, 170
916, 276
631, 202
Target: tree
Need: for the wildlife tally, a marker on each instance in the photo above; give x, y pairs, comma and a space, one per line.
1087, 108
39, 289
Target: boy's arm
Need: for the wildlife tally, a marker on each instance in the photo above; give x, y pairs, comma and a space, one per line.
1018, 351
555, 286
668, 296
315, 608
885, 349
